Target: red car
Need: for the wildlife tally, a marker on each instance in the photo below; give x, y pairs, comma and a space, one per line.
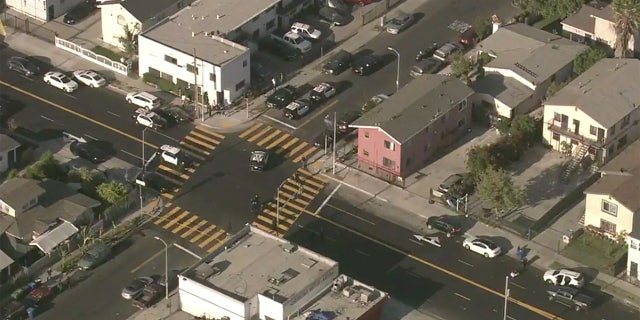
360, 2
40, 294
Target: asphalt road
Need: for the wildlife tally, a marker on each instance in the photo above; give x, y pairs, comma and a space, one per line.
433, 19
435, 283
96, 293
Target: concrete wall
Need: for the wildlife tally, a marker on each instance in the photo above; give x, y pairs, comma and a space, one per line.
593, 212
113, 19
38, 9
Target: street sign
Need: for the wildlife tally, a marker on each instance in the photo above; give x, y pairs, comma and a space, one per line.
431, 240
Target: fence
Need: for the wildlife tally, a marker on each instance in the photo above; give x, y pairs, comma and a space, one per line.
25, 25
378, 9
92, 56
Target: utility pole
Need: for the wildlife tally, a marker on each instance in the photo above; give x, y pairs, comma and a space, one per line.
246, 100
335, 127
195, 86
506, 296
144, 167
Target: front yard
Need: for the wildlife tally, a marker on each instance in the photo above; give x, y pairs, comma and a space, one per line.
593, 251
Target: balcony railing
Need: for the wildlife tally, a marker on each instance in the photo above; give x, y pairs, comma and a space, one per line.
563, 129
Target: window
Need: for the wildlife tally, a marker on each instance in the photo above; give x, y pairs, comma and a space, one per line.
366, 134
556, 136
622, 141
626, 120
611, 150
557, 116
610, 208
212, 77
271, 24
170, 59
365, 153
613, 130
633, 244
244, 63
593, 130
121, 20
389, 145
607, 226
191, 69
388, 162
240, 85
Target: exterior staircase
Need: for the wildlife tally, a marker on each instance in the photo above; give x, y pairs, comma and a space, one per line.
579, 154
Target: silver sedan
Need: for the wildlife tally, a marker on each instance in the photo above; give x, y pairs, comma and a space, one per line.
399, 23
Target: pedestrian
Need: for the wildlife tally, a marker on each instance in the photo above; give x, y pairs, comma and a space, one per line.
304, 162
49, 272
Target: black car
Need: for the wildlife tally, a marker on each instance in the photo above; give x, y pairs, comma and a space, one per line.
333, 16
279, 49
156, 182
92, 150
430, 65
174, 115
79, 12
367, 64
338, 63
259, 160
281, 97
343, 121
23, 65
443, 224
570, 296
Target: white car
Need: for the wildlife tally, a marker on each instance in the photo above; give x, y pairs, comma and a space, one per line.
90, 78
60, 81
151, 120
175, 156
306, 30
297, 41
482, 246
564, 277
143, 99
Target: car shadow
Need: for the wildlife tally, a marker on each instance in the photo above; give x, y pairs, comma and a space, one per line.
463, 222
362, 53
416, 19
342, 86
589, 273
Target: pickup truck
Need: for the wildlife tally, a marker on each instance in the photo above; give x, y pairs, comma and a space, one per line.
293, 40
570, 296
149, 296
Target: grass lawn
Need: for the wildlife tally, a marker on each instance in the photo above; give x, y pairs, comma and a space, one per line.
594, 252
115, 56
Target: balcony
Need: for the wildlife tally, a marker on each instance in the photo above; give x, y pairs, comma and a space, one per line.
565, 130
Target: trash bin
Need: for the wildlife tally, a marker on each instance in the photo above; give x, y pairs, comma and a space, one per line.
570, 234
31, 312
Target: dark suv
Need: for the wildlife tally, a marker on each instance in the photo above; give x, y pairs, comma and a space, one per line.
281, 97
23, 65
570, 296
79, 12
444, 224
338, 63
367, 64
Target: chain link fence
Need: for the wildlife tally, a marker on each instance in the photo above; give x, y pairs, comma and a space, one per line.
27, 26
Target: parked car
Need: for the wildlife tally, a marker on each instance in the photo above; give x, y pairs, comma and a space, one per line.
451, 182
150, 295
155, 181
338, 5
90, 78
570, 297
150, 119
430, 65
306, 30
143, 99
374, 101
322, 92
40, 295
14, 310
175, 156
79, 12
60, 80
297, 109
367, 64
173, 114
344, 119
482, 246
338, 63
23, 65
259, 160
90, 150
135, 287
399, 23
280, 49
447, 50
564, 277
333, 16
428, 52
469, 38
444, 224
281, 97
98, 254
293, 40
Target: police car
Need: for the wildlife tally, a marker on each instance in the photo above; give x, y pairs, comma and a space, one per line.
322, 92
149, 119
259, 160
175, 156
297, 109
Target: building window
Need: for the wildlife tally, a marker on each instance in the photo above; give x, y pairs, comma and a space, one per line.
609, 208
240, 85
622, 141
613, 130
366, 134
388, 162
611, 150
389, 145
244, 63
121, 20
626, 120
593, 130
607, 226
556, 136
170, 59
557, 116
271, 24
633, 244
365, 153
212, 77
191, 69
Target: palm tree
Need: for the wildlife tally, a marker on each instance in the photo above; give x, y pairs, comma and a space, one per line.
627, 20
129, 40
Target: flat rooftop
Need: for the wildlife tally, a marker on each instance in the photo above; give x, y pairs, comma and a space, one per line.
260, 263
347, 301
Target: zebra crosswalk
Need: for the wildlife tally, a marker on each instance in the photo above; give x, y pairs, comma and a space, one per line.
293, 198
191, 227
278, 142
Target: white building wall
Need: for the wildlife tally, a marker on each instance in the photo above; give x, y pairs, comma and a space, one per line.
633, 257
200, 300
269, 309
260, 24
38, 9
113, 18
308, 294
4, 161
593, 213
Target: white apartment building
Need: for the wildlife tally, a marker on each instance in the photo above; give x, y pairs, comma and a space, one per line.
43, 10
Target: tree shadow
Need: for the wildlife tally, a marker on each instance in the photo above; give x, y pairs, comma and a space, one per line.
545, 185
530, 157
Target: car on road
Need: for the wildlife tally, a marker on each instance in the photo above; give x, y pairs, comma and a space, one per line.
444, 224
367, 64
23, 65
333, 16
430, 65
469, 38
447, 51
571, 297
374, 101
91, 150
90, 78
297, 109
60, 81
173, 114
306, 30
150, 119
175, 156
150, 295
143, 99
399, 23
96, 255
343, 121
280, 49
135, 287
155, 181
564, 277
322, 92
259, 160
338, 63
79, 12
325, 138
281, 97
482, 246
40, 295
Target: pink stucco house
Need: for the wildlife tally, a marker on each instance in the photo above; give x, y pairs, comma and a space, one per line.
402, 134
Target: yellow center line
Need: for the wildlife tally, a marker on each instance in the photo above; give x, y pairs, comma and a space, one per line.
37, 97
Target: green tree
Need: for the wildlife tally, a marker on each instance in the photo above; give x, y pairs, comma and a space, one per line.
112, 192
497, 188
13, 173
552, 89
626, 15
553, 8
587, 59
479, 160
462, 67
526, 127
47, 167
129, 40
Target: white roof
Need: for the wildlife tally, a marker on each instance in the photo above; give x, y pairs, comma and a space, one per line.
322, 87
293, 105
293, 35
301, 25
170, 149
52, 238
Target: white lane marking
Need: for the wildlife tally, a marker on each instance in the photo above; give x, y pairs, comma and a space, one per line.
324, 203
131, 154
280, 122
351, 214
461, 296
113, 114
26, 77
187, 251
464, 262
363, 253
319, 112
43, 117
417, 242
517, 285
316, 232
70, 96
134, 270
91, 137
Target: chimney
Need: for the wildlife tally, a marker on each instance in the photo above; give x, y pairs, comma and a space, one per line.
496, 23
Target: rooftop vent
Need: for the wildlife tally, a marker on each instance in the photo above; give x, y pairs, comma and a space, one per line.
366, 296
290, 248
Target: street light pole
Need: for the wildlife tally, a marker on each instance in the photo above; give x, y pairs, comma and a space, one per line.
144, 167
397, 69
335, 125
506, 296
166, 267
278, 207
